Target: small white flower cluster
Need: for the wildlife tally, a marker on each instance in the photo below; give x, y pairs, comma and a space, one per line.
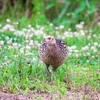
8, 27
1, 42
80, 26
80, 33
90, 50
30, 36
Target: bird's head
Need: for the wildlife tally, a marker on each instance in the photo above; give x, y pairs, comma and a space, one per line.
50, 40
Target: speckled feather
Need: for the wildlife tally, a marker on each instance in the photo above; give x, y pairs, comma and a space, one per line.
56, 56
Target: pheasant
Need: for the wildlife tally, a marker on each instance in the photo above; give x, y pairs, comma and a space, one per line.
53, 52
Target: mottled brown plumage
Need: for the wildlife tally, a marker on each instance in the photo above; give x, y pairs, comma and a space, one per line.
53, 52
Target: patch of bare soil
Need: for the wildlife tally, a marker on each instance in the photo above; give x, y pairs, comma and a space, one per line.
8, 96
84, 93
29, 96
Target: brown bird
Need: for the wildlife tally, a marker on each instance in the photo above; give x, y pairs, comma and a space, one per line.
53, 52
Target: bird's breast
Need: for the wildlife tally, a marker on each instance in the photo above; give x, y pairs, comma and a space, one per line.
53, 59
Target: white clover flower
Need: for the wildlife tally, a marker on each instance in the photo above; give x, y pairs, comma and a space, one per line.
86, 47
10, 47
69, 29
7, 20
76, 55
92, 48
79, 26
31, 43
87, 61
15, 39
89, 37
22, 50
12, 29
29, 31
70, 50
29, 36
84, 54
56, 28
24, 29
1, 42
42, 28
73, 47
59, 36
51, 24
76, 51
15, 56
29, 26
75, 33
31, 40
69, 36
83, 49
69, 54
7, 27
38, 45
35, 42
63, 37
19, 45
86, 31
94, 35
66, 33
69, 47
38, 32
37, 26
61, 26
28, 53
9, 41
95, 43
19, 33
28, 47
15, 45
95, 50
82, 32
92, 57
27, 41
82, 23
90, 31
34, 59
88, 54
32, 29
98, 23
16, 23
89, 44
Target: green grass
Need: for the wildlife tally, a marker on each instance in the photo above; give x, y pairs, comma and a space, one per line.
22, 70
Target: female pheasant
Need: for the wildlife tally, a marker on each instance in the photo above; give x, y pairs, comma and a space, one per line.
53, 52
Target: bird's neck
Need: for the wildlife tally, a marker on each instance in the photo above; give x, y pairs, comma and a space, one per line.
52, 47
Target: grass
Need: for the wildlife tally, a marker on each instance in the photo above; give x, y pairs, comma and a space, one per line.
22, 70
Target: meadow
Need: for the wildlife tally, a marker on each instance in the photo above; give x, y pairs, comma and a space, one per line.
22, 71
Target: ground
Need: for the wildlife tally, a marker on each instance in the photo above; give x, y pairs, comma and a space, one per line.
86, 93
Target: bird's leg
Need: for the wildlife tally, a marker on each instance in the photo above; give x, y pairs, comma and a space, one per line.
54, 68
47, 70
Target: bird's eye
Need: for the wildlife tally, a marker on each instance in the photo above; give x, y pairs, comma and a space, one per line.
49, 38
